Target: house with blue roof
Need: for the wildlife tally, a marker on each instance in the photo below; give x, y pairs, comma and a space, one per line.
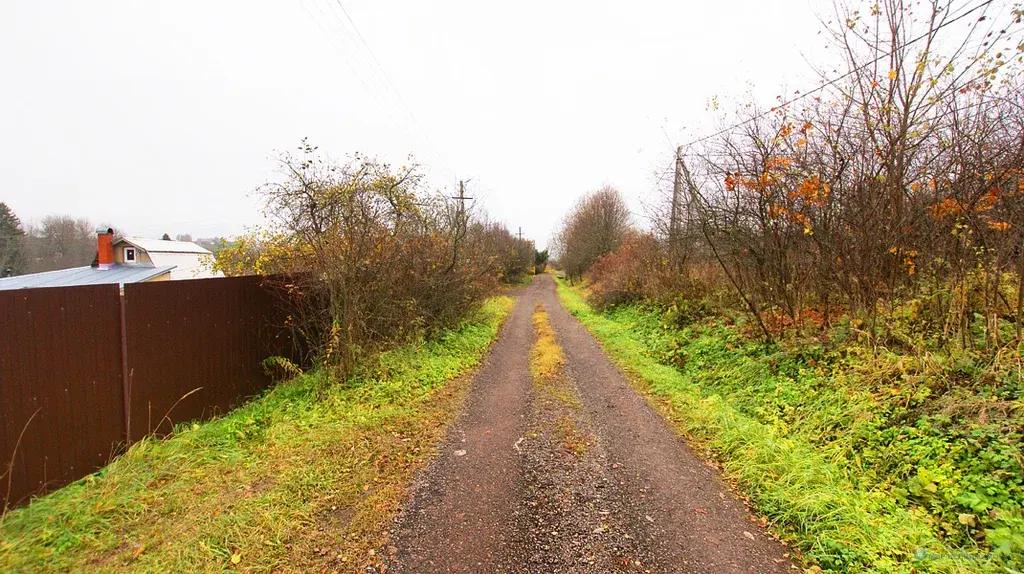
104, 270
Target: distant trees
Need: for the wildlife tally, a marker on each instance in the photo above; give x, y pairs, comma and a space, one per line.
540, 261
214, 244
596, 226
11, 242
56, 242
59, 242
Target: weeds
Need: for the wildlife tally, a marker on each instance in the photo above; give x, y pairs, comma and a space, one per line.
862, 476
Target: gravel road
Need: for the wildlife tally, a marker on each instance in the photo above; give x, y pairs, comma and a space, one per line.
588, 479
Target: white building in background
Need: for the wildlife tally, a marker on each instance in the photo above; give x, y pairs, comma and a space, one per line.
190, 261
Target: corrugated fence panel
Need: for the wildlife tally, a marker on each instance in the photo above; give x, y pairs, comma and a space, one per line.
195, 348
60, 360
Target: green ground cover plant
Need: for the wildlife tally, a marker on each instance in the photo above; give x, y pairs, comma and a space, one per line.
867, 460
303, 478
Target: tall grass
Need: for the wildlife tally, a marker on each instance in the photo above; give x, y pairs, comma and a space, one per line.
812, 495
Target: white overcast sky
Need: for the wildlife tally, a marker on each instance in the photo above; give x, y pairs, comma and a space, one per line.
161, 116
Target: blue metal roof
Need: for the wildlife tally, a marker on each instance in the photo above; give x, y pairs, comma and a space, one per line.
119, 274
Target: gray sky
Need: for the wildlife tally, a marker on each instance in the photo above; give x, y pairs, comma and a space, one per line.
163, 116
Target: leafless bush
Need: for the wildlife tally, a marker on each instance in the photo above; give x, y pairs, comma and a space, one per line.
596, 226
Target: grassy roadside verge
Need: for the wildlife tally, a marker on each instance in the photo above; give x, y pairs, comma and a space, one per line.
305, 478
811, 497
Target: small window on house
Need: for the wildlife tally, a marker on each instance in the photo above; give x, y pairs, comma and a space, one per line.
129, 255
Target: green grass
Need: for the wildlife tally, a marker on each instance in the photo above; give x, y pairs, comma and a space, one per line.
792, 436
304, 478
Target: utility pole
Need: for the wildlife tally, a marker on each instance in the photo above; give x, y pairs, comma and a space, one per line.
460, 223
520, 233
677, 190
462, 200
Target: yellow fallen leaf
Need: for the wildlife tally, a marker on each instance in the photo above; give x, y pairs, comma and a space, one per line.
236, 558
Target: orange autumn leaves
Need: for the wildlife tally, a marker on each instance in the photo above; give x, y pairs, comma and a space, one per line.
811, 191
777, 180
789, 193
955, 208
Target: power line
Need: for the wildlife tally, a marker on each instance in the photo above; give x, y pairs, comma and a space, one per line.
394, 88
345, 58
361, 39
835, 80
378, 76
357, 52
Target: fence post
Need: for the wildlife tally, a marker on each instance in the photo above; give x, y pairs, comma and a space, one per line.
126, 383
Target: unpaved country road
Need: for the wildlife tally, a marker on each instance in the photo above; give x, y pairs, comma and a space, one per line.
505, 495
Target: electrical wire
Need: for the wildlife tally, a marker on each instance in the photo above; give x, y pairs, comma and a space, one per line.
837, 79
377, 76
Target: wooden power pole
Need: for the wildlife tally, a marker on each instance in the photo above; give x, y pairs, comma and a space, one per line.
462, 200
460, 223
677, 190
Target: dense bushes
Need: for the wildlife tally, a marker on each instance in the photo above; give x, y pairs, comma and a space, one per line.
369, 257
897, 188
626, 274
862, 460
901, 179
508, 256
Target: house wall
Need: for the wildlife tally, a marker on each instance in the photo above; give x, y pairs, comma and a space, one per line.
187, 265
140, 255
160, 277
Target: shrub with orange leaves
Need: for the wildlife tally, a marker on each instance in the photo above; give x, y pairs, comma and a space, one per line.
946, 207
811, 191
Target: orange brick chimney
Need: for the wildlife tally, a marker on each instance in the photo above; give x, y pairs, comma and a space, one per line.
105, 248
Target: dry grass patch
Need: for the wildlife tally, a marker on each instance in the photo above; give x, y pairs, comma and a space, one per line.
546, 364
546, 359
572, 438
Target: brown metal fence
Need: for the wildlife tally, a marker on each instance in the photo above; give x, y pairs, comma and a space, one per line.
75, 360
215, 333
60, 385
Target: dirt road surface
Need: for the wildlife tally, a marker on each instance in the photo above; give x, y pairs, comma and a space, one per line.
592, 482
